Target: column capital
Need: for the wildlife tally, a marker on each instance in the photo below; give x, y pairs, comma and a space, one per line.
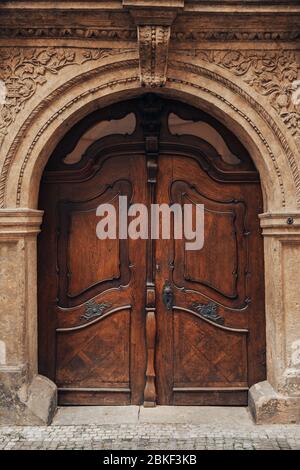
283, 224
16, 222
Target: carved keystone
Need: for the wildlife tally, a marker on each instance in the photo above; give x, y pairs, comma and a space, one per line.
153, 20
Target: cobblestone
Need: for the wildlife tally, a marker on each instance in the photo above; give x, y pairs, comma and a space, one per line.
150, 437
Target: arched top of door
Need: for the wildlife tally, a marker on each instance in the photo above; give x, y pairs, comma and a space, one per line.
124, 127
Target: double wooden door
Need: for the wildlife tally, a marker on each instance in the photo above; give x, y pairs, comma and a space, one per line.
132, 321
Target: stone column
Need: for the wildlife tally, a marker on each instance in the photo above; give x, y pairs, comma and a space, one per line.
277, 400
25, 396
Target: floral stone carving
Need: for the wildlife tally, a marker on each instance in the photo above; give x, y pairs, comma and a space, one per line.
272, 74
23, 70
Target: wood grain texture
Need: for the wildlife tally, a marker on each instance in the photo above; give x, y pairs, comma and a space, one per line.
102, 257
198, 361
150, 388
135, 350
92, 360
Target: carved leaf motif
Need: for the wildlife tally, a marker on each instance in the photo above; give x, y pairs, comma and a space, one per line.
94, 310
209, 311
271, 74
23, 70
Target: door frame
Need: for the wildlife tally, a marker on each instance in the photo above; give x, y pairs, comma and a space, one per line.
156, 139
20, 220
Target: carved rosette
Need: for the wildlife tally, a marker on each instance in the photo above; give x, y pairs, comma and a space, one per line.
153, 48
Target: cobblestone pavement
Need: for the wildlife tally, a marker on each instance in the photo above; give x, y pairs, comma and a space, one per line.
150, 437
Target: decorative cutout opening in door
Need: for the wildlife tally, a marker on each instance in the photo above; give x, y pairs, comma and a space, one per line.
204, 131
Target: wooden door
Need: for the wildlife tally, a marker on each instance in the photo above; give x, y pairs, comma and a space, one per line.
106, 333
91, 335
211, 341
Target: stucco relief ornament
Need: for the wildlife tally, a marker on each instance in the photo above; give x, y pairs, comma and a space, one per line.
271, 74
24, 70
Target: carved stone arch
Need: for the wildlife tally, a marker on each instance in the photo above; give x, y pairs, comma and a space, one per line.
272, 128
98, 87
216, 92
109, 66
274, 119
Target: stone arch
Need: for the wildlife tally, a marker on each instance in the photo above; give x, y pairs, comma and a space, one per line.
203, 85
200, 85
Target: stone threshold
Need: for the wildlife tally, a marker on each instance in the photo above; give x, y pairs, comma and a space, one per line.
201, 415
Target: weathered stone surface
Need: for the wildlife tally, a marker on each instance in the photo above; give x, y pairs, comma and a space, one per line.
268, 407
153, 50
241, 64
25, 405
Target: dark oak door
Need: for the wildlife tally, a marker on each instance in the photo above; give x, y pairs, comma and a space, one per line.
211, 342
106, 333
91, 290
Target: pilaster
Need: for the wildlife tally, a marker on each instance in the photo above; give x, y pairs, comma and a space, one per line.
25, 397
278, 399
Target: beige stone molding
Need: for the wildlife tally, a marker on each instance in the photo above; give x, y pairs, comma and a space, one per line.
216, 6
24, 70
166, 4
153, 12
19, 222
110, 20
281, 224
223, 36
257, 7
63, 32
272, 74
128, 34
11, 369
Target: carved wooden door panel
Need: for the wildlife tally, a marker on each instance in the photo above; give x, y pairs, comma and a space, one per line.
131, 321
91, 337
211, 340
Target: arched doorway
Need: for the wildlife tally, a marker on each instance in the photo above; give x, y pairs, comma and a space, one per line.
145, 321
